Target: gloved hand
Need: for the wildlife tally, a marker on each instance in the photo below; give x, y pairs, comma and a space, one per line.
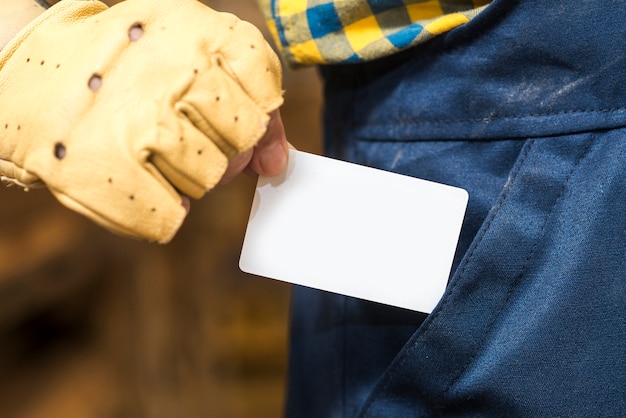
119, 110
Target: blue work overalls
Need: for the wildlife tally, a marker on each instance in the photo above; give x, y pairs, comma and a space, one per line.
525, 108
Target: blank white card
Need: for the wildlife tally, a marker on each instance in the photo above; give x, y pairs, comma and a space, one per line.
355, 230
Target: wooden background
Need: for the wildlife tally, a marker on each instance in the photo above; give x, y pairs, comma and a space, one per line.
95, 325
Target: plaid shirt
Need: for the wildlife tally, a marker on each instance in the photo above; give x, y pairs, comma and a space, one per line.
335, 31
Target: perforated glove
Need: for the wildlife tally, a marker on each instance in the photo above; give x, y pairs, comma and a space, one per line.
119, 110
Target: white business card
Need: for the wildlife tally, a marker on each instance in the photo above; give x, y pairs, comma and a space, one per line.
355, 230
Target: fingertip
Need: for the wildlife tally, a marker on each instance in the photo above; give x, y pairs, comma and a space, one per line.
236, 165
186, 203
274, 159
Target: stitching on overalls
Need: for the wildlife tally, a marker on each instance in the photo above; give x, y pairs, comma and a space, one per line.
524, 269
384, 385
477, 243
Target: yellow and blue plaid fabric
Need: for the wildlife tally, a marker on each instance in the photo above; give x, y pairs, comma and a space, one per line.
337, 31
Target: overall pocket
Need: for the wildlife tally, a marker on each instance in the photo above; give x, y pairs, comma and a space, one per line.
533, 315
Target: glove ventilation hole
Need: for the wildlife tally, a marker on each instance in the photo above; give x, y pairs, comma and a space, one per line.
95, 82
59, 151
135, 32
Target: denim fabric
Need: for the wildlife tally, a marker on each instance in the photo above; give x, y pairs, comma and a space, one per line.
524, 107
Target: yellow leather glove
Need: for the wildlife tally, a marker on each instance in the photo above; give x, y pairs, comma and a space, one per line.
117, 110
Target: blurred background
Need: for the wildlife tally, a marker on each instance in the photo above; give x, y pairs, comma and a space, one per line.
95, 325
